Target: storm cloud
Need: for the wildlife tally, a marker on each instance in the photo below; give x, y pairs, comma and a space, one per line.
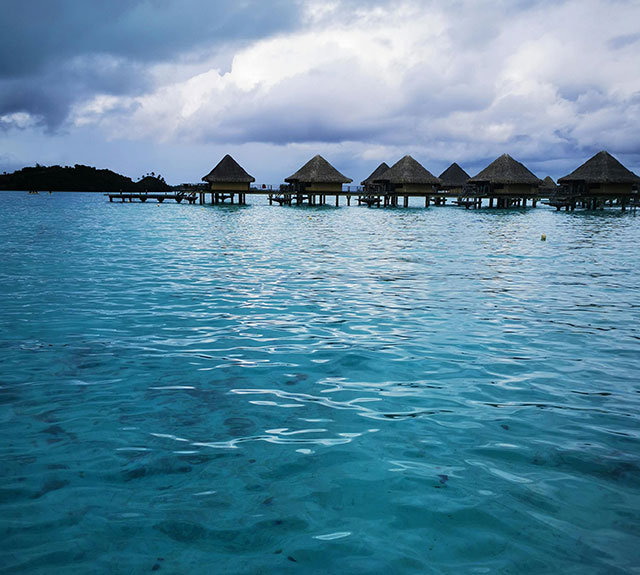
549, 82
55, 53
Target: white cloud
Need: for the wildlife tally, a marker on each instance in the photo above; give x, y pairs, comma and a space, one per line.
20, 120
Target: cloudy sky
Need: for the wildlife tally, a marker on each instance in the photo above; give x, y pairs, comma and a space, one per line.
172, 85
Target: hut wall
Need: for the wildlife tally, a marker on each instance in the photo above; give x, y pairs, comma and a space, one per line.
229, 187
614, 190
320, 188
413, 189
516, 190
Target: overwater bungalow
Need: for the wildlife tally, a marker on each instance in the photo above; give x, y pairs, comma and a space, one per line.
407, 178
373, 188
454, 179
601, 178
548, 184
371, 184
548, 187
507, 180
227, 179
315, 180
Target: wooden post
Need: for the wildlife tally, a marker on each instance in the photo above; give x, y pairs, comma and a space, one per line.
337, 200
348, 200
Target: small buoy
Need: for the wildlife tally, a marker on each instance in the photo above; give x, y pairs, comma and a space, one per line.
543, 238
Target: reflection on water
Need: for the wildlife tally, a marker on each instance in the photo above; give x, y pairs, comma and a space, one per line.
264, 389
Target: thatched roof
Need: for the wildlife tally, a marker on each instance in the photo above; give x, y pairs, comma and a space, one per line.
408, 171
381, 169
506, 170
454, 177
603, 168
318, 171
228, 171
548, 184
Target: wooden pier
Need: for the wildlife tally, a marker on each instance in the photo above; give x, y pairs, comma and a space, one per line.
570, 202
469, 198
178, 197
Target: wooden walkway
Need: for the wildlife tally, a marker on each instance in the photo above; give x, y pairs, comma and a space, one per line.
571, 202
178, 197
467, 198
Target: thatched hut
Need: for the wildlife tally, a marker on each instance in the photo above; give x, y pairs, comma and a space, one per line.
454, 178
506, 177
548, 183
548, 187
381, 169
229, 176
318, 176
601, 176
371, 184
407, 177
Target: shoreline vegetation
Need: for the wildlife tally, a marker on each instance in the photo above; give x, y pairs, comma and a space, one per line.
78, 178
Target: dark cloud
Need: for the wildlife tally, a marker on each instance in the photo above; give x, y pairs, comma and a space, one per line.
48, 96
35, 34
623, 41
54, 53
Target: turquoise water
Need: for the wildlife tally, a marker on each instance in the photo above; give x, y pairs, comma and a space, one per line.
258, 389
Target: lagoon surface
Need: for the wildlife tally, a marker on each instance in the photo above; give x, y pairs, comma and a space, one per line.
264, 389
